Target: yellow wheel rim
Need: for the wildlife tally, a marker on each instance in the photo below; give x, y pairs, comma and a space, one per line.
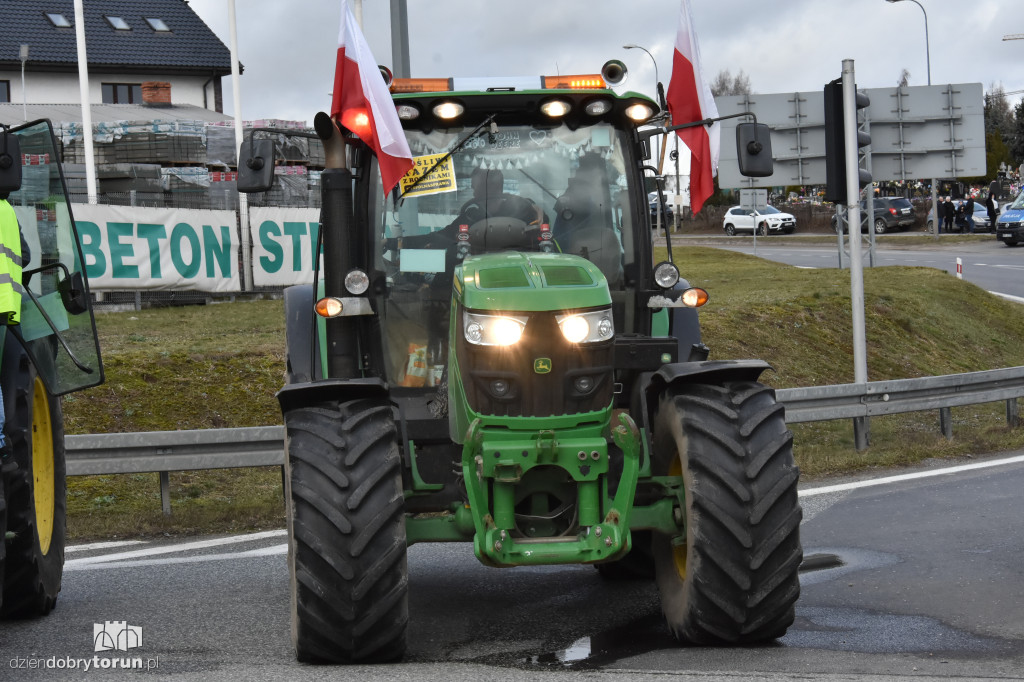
42, 465
678, 551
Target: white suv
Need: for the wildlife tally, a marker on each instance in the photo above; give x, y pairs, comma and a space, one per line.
771, 219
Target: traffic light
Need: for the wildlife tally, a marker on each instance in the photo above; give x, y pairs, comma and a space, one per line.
835, 142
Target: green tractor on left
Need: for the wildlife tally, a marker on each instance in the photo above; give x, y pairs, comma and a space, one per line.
51, 351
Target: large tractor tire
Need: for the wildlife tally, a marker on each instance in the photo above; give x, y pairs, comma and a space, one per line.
36, 492
732, 578
346, 528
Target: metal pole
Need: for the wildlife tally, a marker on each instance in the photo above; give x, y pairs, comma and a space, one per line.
243, 199
400, 38
24, 95
860, 367
83, 90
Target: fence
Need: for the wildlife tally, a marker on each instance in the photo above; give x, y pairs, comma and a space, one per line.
165, 451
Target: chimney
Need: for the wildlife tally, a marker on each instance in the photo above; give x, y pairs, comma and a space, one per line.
156, 93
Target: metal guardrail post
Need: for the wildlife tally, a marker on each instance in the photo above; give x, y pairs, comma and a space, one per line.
861, 433
1012, 413
946, 422
165, 492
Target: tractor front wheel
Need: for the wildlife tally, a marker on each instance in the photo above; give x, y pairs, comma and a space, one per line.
36, 496
346, 528
732, 576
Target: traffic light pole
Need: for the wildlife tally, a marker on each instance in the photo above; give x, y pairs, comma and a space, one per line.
860, 366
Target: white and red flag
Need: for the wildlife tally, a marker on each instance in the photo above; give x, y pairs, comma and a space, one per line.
689, 99
361, 102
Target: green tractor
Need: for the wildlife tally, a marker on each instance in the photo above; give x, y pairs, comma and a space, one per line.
489, 354
51, 352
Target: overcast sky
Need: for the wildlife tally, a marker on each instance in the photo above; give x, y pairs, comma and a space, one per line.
288, 48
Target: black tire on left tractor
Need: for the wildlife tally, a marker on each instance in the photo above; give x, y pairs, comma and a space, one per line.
732, 577
36, 493
346, 528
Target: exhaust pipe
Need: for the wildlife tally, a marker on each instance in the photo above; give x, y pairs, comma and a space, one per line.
334, 142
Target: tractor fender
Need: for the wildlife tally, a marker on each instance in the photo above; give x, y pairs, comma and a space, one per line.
311, 393
703, 372
302, 362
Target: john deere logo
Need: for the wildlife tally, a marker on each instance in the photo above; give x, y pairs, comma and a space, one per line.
542, 365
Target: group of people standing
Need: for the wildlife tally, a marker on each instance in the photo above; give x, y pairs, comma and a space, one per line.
961, 214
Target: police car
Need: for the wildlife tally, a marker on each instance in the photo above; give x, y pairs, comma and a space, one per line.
1010, 225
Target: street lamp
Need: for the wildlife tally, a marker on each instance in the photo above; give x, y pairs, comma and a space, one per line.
657, 80
927, 48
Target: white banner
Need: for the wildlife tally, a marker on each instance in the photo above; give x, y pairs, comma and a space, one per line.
133, 247
283, 240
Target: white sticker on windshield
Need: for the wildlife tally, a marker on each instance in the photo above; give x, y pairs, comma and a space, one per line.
421, 260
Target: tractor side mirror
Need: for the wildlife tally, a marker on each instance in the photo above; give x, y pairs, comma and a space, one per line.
10, 163
754, 150
255, 165
72, 294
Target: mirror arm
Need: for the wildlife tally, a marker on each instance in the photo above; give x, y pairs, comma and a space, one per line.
659, 181
648, 134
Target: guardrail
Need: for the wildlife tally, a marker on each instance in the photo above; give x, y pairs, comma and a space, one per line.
166, 451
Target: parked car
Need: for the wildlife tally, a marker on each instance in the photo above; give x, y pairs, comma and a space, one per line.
981, 223
1010, 225
891, 213
771, 219
667, 215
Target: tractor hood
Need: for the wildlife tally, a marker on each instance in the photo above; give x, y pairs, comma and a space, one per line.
530, 282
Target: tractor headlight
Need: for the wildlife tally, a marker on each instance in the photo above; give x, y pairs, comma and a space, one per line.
666, 275
492, 330
587, 327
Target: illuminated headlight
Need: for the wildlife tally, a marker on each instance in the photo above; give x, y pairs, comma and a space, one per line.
492, 330
587, 327
448, 110
666, 275
639, 112
555, 108
357, 282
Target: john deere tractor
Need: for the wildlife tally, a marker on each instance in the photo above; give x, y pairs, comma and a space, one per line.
489, 354
52, 351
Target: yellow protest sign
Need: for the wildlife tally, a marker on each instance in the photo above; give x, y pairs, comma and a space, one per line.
441, 179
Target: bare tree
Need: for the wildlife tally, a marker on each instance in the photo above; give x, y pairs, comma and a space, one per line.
904, 79
724, 83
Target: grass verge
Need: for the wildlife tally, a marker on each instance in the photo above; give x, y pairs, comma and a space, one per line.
220, 365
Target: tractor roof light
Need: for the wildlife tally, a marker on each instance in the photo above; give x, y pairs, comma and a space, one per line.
598, 107
666, 275
448, 110
590, 81
555, 108
639, 112
421, 85
407, 112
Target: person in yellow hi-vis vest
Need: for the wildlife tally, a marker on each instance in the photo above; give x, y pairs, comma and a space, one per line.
13, 255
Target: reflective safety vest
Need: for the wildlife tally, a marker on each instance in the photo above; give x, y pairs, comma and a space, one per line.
10, 265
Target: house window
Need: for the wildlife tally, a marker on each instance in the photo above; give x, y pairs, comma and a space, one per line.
5, 91
118, 23
58, 20
122, 93
157, 24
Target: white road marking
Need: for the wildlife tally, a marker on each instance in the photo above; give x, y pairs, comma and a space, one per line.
272, 550
103, 545
909, 477
1009, 297
168, 549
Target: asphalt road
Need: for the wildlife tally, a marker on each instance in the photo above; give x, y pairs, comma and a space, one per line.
986, 262
919, 577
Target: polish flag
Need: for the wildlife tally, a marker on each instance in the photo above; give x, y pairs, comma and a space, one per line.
689, 99
361, 102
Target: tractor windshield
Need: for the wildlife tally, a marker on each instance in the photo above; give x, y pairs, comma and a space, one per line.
514, 187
